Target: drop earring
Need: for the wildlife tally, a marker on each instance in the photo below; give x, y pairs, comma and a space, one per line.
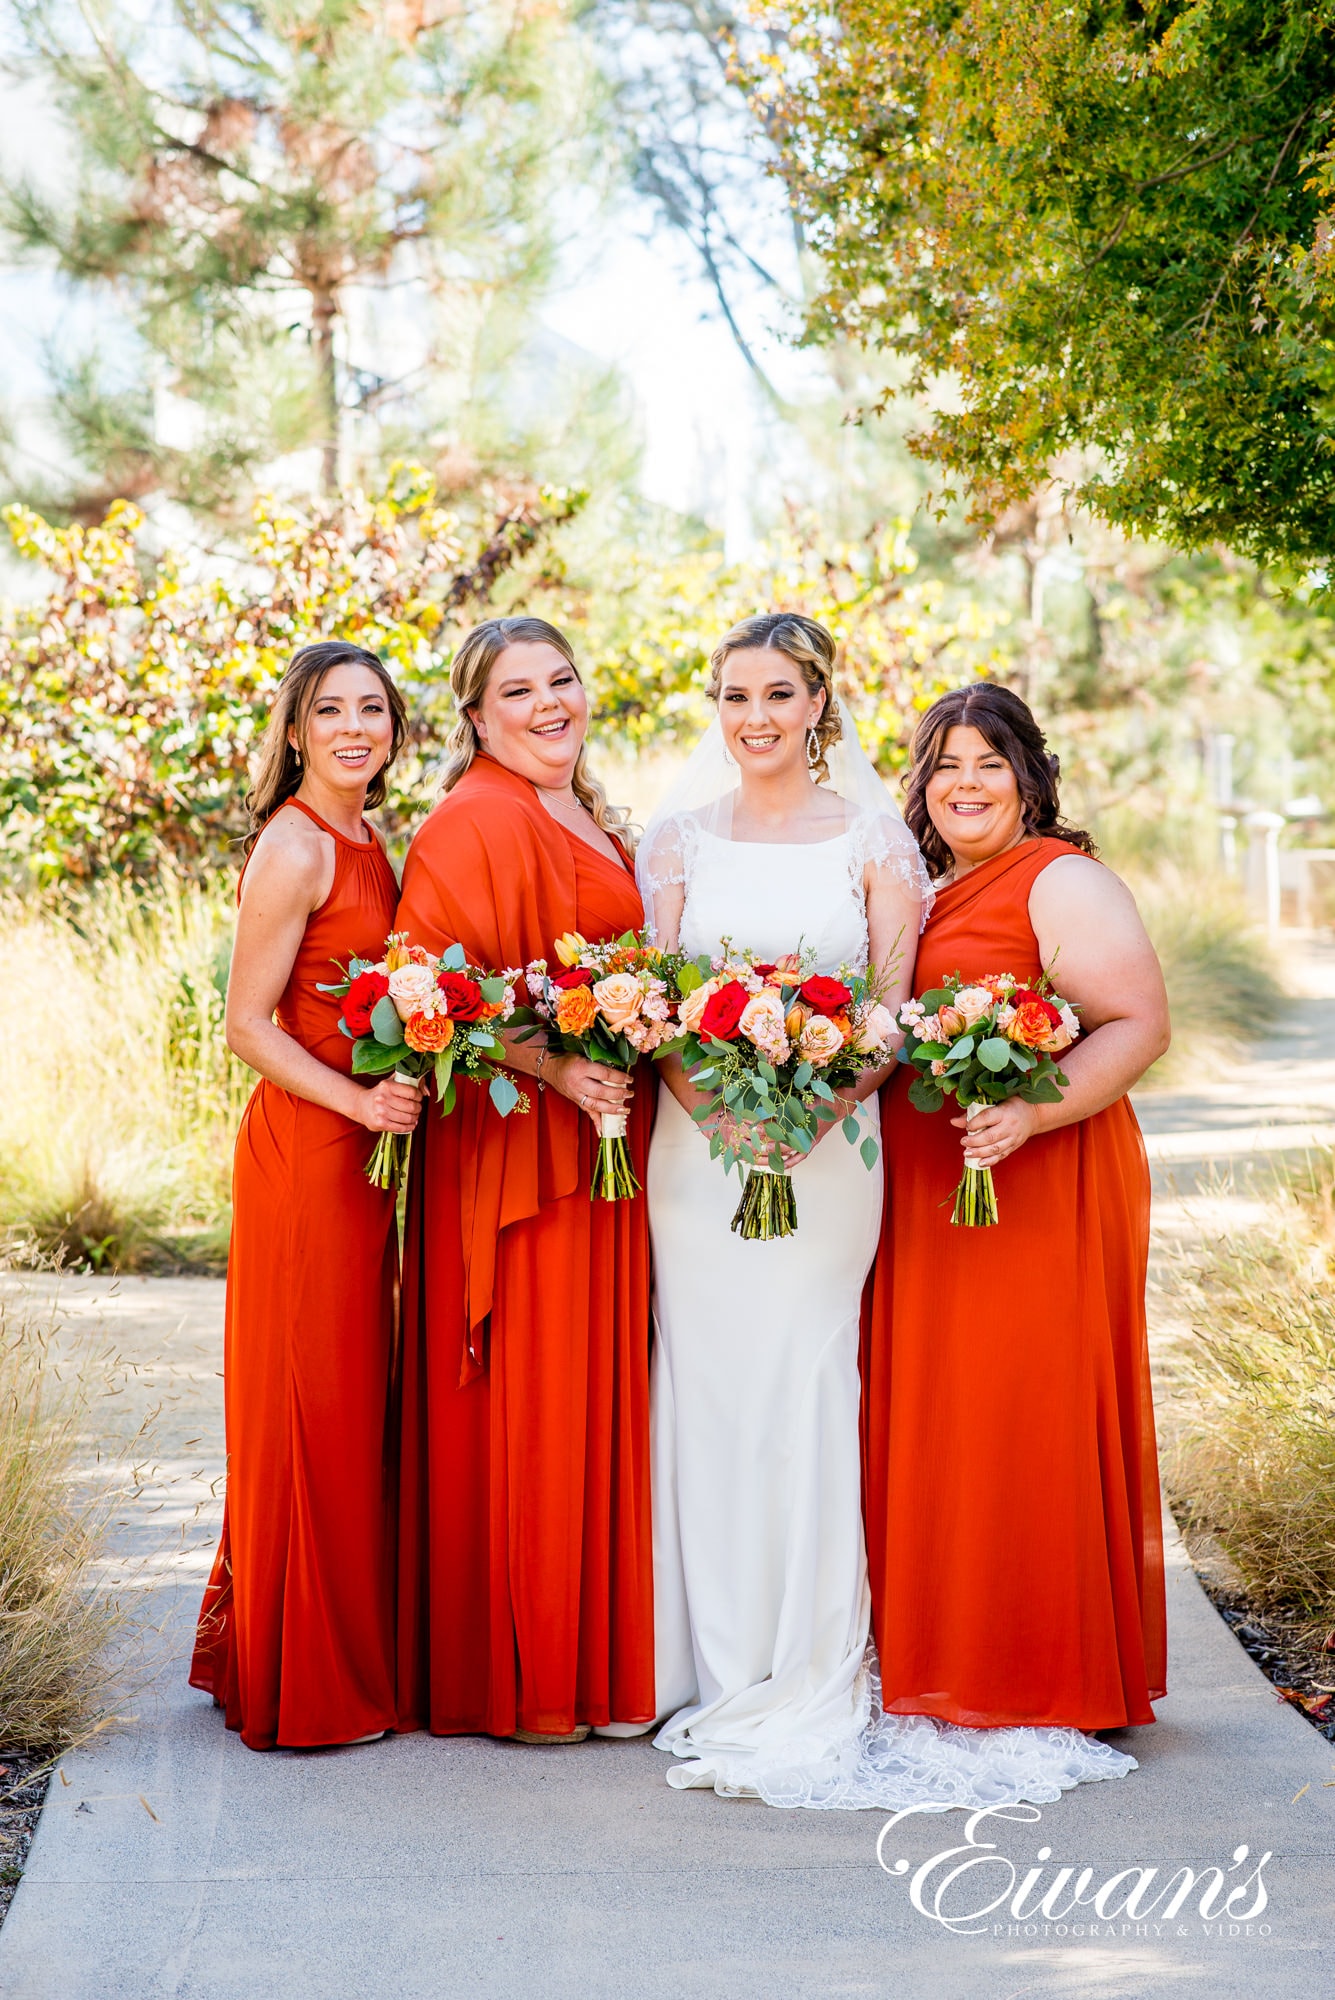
813, 749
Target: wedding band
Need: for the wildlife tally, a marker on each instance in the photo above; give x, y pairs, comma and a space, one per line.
584, 1102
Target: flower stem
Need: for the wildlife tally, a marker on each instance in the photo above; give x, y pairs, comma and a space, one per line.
768, 1207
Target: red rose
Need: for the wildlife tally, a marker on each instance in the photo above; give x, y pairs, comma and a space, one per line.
578, 975
463, 996
764, 971
360, 999
825, 996
723, 1010
1022, 997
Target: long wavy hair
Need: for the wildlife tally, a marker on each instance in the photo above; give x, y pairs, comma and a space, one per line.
811, 650
279, 770
1007, 724
478, 653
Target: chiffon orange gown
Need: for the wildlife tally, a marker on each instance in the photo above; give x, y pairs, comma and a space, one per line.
1011, 1485
526, 1586
296, 1634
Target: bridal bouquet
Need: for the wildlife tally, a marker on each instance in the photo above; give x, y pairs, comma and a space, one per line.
980, 1043
772, 1043
421, 1016
608, 1003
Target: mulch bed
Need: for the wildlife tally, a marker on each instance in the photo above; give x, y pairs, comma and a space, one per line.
24, 1777
1301, 1667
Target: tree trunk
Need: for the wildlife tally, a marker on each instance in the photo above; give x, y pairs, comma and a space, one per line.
324, 315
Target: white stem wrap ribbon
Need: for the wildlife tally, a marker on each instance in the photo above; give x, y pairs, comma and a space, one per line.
614, 1124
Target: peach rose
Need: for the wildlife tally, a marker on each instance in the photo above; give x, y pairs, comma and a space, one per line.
762, 1019
412, 988
621, 998
428, 1033
576, 1010
821, 1040
693, 1006
972, 1002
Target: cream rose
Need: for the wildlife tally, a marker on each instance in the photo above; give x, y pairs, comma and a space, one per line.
821, 1040
874, 1031
973, 1002
620, 998
413, 990
693, 1006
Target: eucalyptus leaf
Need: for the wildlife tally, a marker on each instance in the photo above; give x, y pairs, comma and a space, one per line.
960, 1049
994, 1053
851, 1130
871, 1152
939, 997
924, 1094
454, 959
802, 1076
503, 1094
493, 991
385, 1023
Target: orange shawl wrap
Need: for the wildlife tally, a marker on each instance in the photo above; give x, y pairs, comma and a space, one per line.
491, 870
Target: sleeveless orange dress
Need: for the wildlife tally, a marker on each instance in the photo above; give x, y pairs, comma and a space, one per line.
525, 1558
295, 1638
1010, 1476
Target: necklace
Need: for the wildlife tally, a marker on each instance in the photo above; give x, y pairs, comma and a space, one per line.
555, 803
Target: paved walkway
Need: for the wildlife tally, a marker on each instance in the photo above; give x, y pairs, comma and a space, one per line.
172, 1862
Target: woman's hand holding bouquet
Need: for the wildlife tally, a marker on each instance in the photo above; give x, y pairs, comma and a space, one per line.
607, 1004
984, 1042
414, 1016
771, 1045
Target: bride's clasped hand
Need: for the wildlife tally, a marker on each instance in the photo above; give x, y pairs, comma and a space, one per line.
736, 1474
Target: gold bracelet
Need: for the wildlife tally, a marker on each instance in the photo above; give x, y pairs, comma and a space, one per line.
543, 1054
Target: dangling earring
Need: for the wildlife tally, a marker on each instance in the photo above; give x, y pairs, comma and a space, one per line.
728, 757
813, 749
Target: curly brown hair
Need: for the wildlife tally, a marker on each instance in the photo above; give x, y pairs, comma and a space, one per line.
1007, 724
811, 650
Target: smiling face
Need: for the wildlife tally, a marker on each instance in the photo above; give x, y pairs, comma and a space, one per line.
533, 713
972, 797
765, 710
349, 729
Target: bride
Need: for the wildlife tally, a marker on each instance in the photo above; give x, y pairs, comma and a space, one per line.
779, 836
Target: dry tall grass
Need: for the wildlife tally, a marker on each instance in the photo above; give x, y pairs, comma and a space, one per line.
118, 1096
1251, 1433
1223, 987
57, 1622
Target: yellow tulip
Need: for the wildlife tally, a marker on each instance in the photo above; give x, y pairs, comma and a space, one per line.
569, 948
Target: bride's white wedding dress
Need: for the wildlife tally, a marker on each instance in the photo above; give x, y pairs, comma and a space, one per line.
762, 1606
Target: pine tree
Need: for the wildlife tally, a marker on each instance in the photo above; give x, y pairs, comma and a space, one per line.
307, 208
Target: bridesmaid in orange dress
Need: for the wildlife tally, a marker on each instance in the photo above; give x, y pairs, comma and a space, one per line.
295, 1640
526, 1585
1011, 1486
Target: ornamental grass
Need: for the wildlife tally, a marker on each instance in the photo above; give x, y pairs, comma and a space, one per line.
119, 1098
1250, 1458
58, 1621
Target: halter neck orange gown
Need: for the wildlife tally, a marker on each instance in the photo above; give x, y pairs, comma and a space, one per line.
526, 1568
1011, 1486
296, 1638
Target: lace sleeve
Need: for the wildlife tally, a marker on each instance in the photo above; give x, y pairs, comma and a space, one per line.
882, 840
663, 869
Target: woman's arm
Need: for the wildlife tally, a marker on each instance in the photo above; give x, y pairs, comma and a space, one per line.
290, 874
1096, 951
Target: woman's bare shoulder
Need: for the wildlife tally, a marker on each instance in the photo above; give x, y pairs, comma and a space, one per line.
292, 855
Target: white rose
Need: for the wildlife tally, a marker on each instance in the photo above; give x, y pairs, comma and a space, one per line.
413, 990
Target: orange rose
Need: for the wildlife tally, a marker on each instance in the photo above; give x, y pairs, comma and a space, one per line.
576, 1010
1030, 1025
844, 1025
428, 1033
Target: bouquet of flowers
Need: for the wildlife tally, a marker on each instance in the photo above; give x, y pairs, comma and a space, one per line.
608, 1003
421, 1016
772, 1043
980, 1043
